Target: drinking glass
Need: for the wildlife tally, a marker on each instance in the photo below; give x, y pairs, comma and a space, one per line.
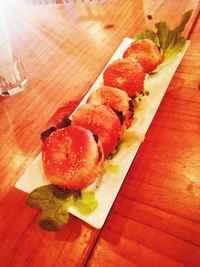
12, 74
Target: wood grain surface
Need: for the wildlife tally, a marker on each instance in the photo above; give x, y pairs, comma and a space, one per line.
63, 49
155, 220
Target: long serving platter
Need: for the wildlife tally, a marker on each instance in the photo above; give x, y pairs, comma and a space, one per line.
108, 187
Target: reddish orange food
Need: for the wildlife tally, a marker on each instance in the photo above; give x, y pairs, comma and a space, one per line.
103, 122
115, 98
146, 53
71, 158
125, 74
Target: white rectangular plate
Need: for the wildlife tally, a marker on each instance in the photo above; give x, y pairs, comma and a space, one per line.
110, 183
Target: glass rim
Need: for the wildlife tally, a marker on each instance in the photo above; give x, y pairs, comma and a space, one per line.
4, 42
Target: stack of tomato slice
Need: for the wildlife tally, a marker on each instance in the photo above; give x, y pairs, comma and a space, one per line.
73, 156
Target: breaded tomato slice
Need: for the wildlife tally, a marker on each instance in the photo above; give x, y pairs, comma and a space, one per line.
71, 158
146, 53
115, 98
125, 74
102, 121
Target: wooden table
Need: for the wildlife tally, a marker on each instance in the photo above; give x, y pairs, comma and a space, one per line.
64, 48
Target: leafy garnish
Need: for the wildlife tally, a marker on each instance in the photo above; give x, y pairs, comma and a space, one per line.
140, 97
148, 34
129, 138
87, 203
170, 42
65, 122
55, 201
111, 168
46, 133
116, 151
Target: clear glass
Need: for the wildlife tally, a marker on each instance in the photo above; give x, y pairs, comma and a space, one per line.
12, 74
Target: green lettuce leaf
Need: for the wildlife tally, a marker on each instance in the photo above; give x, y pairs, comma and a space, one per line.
163, 34
170, 42
87, 203
148, 34
54, 202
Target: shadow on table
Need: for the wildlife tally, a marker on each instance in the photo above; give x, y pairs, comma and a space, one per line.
18, 219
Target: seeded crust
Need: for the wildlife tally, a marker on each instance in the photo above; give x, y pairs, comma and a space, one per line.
115, 98
125, 74
102, 121
146, 53
70, 158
